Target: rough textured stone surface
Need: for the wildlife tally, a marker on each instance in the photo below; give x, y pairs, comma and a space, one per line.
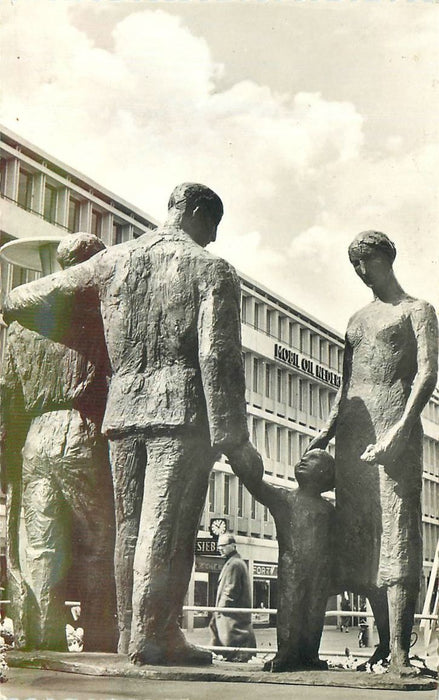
170, 313
112, 665
305, 528
57, 469
390, 371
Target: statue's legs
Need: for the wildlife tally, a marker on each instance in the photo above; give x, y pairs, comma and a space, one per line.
380, 608
176, 483
47, 559
128, 464
313, 625
88, 490
402, 604
17, 588
290, 617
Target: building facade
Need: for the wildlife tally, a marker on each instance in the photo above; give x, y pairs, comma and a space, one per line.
293, 366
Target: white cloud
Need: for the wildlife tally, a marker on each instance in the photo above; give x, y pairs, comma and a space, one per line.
297, 177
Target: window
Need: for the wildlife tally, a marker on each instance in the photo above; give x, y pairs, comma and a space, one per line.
311, 405
49, 211
255, 374
74, 209
267, 441
268, 391
290, 390
240, 499
96, 222
226, 494
301, 394
280, 327
269, 326
291, 333
257, 315
243, 309
278, 444
212, 492
323, 404
303, 340
253, 508
279, 385
255, 432
265, 514
24, 196
290, 448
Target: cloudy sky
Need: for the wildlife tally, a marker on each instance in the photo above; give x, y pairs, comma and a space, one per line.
313, 120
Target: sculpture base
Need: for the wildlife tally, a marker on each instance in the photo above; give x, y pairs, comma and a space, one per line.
95, 664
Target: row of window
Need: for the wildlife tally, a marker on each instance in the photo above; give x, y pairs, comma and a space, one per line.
59, 205
431, 456
228, 496
276, 324
430, 534
431, 411
430, 498
287, 388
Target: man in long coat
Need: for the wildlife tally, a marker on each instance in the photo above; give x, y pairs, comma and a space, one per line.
232, 629
171, 317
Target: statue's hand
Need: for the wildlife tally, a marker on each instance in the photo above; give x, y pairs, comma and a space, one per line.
246, 461
388, 448
320, 442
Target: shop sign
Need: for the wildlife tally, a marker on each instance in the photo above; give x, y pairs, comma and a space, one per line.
206, 545
208, 565
264, 570
294, 359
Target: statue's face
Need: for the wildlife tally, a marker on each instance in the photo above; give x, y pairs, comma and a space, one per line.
204, 224
371, 267
311, 470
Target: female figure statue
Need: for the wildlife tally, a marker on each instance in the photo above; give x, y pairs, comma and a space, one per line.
389, 373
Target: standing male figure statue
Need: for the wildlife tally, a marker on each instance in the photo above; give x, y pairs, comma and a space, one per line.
171, 317
57, 468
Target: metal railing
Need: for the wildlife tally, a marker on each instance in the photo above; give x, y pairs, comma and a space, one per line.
41, 215
273, 611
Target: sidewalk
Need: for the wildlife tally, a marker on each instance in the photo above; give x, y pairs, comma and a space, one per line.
332, 640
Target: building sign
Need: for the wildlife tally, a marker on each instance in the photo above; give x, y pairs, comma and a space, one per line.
295, 359
206, 545
264, 570
209, 565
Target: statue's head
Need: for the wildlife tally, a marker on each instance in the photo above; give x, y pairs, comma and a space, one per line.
198, 210
372, 254
316, 470
77, 248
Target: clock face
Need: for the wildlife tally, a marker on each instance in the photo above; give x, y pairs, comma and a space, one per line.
218, 526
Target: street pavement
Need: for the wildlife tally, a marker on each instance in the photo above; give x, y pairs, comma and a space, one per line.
35, 684
32, 684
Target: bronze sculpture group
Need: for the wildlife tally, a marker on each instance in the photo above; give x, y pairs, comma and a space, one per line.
163, 314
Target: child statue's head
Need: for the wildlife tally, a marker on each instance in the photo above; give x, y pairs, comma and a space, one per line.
315, 471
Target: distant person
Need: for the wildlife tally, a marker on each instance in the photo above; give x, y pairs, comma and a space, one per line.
232, 629
345, 606
304, 525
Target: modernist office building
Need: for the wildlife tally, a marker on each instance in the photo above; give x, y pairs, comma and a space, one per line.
292, 362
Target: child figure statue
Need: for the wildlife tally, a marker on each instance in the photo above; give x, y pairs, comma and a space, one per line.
304, 524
